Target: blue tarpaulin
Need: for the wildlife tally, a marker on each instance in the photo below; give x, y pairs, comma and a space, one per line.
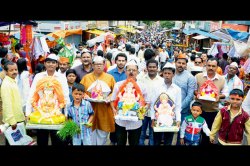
207, 34
238, 35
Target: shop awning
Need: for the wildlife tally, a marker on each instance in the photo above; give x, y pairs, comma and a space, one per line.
128, 29
200, 37
203, 33
65, 33
96, 31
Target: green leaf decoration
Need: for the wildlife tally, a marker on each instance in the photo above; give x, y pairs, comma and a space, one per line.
60, 41
69, 129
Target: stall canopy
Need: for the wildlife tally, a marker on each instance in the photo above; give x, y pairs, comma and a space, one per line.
127, 29
96, 31
200, 37
222, 33
65, 33
238, 35
203, 33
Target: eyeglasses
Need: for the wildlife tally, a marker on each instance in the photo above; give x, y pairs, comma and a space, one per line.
132, 70
98, 64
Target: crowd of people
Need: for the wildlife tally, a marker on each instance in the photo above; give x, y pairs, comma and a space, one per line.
156, 66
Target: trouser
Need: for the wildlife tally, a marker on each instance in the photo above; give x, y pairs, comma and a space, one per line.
99, 137
112, 137
209, 117
146, 123
43, 138
122, 134
167, 137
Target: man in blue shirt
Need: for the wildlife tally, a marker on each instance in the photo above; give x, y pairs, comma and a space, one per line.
119, 74
187, 82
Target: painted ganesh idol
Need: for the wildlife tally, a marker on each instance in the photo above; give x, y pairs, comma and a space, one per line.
47, 102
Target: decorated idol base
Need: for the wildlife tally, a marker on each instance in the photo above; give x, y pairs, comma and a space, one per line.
208, 98
130, 115
43, 126
166, 129
97, 100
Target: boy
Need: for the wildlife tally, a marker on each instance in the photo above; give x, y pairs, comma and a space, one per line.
191, 127
81, 112
231, 122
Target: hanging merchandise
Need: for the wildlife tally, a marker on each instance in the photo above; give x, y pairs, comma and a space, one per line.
65, 51
4, 39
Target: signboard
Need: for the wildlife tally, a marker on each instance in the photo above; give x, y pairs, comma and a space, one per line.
214, 26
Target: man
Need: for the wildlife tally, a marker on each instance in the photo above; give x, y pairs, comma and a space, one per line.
126, 127
210, 108
63, 65
232, 80
18, 49
151, 81
80, 47
119, 74
187, 83
77, 61
103, 122
174, 93
51, 63
11, 99
86, 66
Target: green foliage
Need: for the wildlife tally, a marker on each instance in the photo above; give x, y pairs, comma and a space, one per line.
69, 129
147, 22
167, 24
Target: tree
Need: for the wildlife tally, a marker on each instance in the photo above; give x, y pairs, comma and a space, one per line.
147, 22
167, 24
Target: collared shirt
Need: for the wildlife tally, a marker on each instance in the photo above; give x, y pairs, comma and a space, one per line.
218, 121
59, 71
118, 76
187, 83
59, 77
81, 72
81, 115
151, 86
129, 125
233, 83
174, 93
12, 101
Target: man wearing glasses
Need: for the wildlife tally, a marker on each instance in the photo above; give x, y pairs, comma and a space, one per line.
103, 122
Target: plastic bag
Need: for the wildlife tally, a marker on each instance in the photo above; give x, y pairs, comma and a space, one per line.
18, 136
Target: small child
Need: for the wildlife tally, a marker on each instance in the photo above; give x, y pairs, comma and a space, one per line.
71, 79
231, 122
192, 125
81, 112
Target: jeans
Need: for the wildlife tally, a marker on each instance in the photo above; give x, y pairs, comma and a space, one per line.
146, 123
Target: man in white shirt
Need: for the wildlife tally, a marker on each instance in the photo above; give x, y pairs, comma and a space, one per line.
51, 62
174, 92
126, 127
151, 81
